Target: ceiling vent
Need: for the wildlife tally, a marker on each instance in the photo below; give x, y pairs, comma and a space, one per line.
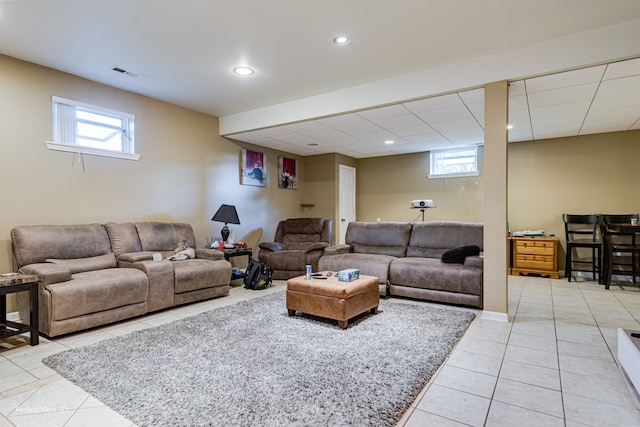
123, 71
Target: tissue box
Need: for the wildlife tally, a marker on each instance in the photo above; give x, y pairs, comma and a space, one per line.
349, 274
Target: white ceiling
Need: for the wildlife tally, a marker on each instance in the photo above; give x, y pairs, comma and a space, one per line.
183, 52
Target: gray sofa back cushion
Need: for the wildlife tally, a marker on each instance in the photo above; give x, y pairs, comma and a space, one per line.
382, 238
37, 243
300, 233
431, 239
164, 236
124, 238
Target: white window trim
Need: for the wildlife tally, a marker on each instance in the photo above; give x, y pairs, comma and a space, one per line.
91, 151
78, 149
454, 175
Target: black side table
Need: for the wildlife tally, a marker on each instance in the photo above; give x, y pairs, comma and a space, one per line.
232, 252
10, 284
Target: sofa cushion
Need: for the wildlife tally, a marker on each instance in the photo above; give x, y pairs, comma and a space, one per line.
459, 254
124, 237
382, 238
195, 274
96, 291
164, 236
432, 273
79, 265
432, 238
369, 264
300, 233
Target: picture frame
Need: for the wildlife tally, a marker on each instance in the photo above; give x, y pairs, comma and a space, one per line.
287, 173
254, 168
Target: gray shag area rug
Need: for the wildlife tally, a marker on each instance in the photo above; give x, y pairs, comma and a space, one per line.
249, 364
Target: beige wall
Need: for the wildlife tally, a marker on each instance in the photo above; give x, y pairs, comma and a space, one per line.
387, 185
185, 172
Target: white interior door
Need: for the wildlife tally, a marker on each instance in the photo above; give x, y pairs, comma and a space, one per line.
346, 199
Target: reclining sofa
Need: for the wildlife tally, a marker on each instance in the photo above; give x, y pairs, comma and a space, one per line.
95, 274
407, 257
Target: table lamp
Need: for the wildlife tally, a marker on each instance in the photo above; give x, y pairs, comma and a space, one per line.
228, 215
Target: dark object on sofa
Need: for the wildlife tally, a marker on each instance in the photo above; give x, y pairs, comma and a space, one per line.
298, 242
458, 254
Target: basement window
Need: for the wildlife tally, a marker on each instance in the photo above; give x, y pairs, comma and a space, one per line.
454, 163
88, 129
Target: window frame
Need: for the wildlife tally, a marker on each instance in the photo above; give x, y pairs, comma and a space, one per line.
128, 143
432, 160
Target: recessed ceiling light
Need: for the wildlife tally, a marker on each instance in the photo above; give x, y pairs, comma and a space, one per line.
341, 39
243, 71
389, 142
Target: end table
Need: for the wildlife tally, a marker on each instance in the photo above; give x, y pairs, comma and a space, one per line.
233, 252
12, 283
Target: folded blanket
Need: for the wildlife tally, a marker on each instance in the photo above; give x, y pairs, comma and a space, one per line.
459, 253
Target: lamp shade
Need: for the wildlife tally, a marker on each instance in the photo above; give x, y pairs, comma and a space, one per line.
226, 214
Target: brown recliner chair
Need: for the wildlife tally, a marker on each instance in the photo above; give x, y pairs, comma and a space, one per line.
298, 242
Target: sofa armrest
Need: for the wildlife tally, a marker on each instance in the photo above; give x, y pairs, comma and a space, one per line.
338, 249
136, 256
48, 273
210, 254
271, 246
318, 246
474, 261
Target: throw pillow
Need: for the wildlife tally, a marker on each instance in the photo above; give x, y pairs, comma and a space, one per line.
459, 253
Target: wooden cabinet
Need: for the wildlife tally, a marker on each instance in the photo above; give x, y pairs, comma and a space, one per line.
536, 256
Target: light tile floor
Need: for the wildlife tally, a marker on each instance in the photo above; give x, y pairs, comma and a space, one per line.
553, 364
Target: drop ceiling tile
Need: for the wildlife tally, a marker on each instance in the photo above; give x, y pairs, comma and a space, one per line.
458, 111
467, 122
518, 102
608, 124
627, 68
563, 95
399, 122
561, 110
554, 133
472, 96
430, 138
520, 135
569, 121
517, 88
519, 118
636, 125
414, 130
626, 88
564, 80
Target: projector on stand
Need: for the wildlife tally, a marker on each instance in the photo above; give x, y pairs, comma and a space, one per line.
422, 203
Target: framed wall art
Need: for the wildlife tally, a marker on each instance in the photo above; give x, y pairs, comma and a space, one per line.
254, 168
287, 173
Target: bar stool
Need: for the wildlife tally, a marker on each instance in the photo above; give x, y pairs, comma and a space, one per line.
581, 231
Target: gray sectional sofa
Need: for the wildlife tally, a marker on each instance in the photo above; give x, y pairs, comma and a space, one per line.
407, 257
95, 274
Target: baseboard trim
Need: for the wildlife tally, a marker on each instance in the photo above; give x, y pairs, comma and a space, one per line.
494, 315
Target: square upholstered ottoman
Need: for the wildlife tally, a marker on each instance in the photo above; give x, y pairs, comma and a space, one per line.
331, 298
